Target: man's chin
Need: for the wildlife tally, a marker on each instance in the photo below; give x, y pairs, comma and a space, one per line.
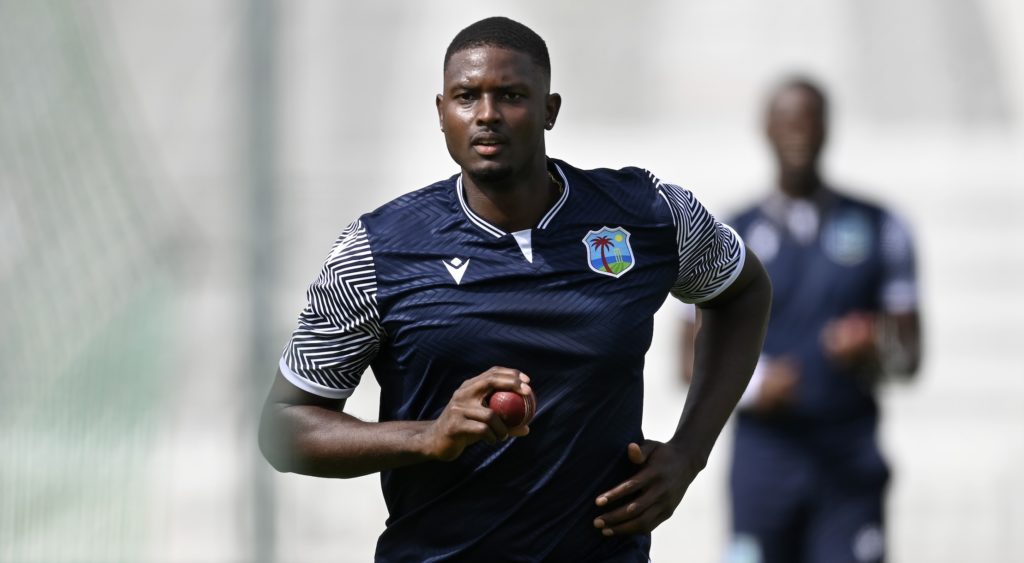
489, 173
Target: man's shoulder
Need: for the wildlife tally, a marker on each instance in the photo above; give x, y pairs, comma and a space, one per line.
610, 178
631, 189
630, 194
415, 209
435, 194
846, 203
847, 198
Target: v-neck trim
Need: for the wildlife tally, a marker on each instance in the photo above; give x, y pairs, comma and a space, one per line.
495, 231
524, 239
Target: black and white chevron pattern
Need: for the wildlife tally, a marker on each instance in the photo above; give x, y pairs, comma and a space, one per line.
339, 331
711, 254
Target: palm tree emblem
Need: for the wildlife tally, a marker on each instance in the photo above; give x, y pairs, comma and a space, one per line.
601, 244
609, 252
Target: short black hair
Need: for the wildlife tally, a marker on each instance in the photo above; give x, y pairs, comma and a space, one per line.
504, 33
801, 82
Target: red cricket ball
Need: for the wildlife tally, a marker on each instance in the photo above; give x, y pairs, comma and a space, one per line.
514, 409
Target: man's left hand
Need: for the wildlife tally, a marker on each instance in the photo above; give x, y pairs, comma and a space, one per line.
649, 497
851, 339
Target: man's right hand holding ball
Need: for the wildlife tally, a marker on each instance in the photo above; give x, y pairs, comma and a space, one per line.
467, 420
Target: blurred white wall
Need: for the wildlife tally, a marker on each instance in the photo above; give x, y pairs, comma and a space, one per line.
928, 108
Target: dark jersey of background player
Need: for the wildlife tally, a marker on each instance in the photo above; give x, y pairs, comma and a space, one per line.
535, 267
807, 477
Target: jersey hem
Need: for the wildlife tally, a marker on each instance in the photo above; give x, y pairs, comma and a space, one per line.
310, 387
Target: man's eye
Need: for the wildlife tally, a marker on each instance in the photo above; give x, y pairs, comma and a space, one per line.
465, 96
513, 96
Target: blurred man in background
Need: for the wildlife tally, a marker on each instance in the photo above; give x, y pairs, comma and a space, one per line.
808, 480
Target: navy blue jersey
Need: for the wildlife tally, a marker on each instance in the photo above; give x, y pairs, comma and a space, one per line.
429, 294
827, 257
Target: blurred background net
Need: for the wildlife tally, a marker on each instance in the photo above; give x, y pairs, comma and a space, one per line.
84, 290
172, 174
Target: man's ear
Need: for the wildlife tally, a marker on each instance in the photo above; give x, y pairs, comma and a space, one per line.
440, 115
553, 104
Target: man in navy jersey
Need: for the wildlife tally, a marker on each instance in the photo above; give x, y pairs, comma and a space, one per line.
519, 264
808, 480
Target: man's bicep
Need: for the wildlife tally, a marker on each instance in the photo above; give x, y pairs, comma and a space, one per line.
752, 273
278, 427
285, 393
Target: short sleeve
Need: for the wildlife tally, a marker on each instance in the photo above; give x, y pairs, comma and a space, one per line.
339, 331
899, 273
711, 253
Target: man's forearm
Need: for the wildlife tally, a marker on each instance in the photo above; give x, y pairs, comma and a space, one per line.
898, 341
305, 433
726, 352
318, 441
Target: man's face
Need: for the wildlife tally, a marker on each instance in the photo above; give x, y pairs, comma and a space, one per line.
493, 111
796, 128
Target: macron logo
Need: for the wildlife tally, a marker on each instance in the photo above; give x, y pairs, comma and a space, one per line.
456, 267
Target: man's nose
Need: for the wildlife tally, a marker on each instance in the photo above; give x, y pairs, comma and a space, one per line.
488, 110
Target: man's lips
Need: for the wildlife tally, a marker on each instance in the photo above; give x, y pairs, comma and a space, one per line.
487, 150
488, 144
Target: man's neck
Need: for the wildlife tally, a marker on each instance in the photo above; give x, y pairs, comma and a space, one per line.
799, 183
514, 205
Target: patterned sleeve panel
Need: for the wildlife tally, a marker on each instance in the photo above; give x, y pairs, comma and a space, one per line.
899, 275
339, 331
711, 254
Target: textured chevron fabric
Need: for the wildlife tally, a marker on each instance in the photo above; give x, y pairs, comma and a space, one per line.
428, 294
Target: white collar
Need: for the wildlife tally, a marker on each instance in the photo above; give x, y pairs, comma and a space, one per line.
497, 232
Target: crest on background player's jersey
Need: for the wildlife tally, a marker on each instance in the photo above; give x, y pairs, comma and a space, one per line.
848, 239
608, 251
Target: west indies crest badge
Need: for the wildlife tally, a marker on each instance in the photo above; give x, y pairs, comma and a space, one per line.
609, 252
